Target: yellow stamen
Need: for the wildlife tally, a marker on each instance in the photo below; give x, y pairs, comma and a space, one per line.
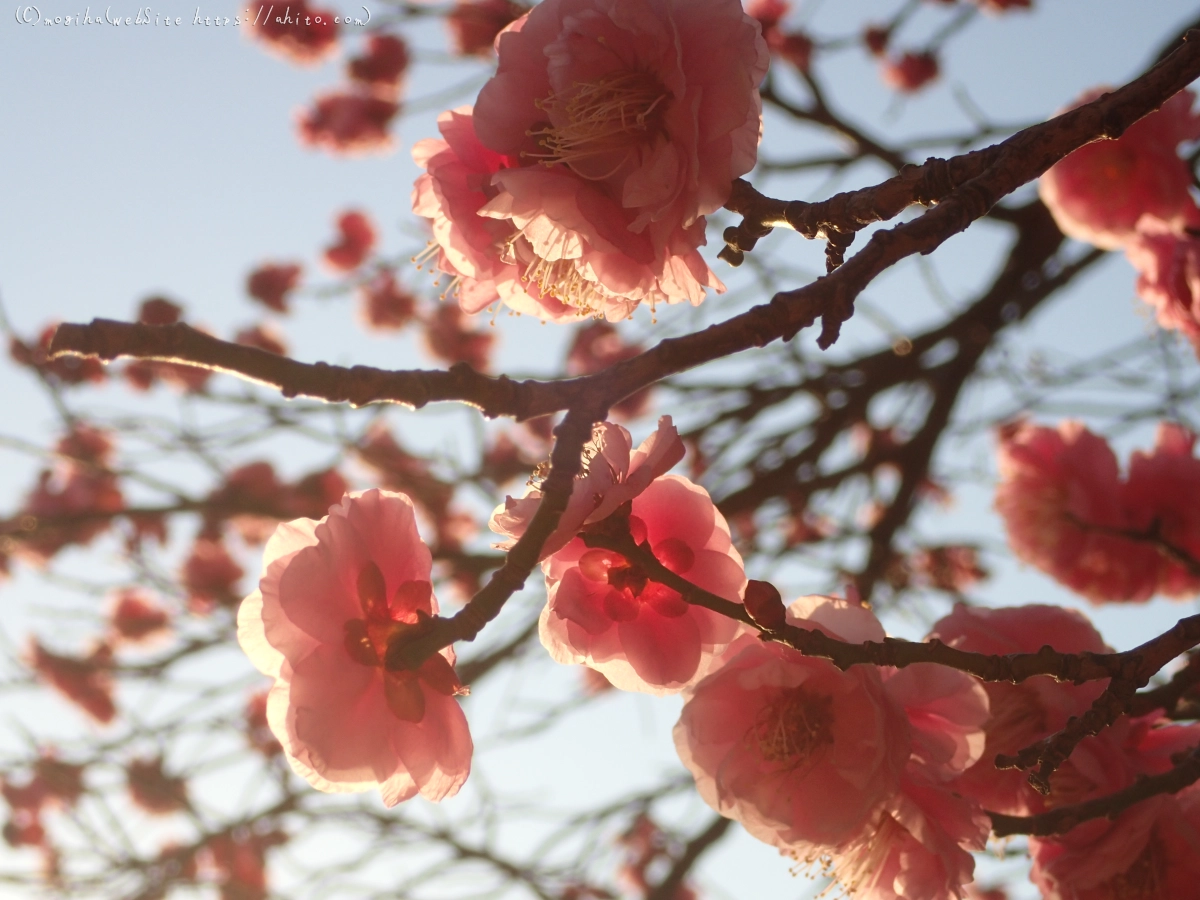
608, 116
561, 280
793, 728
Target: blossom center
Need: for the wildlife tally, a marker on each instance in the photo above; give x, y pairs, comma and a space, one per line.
792, 728
631, 586
594, 119
366, 641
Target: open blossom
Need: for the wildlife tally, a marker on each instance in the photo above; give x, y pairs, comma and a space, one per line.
1160, 495
1020, 714
384, 305
1068, 511
658, 109
605, 612
84, 680
919, 846
488, 257
613, 474
1060, 498
271, 283
798, 751
236, 861
474, 24
87, 494
210, 575
854, 768
449, 336
613, 131
136, 618
153, 789
920, 842
334, 595
1098, 193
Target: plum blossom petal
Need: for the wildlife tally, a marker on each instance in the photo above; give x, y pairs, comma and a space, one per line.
1098, 193
1168, 266
612, 476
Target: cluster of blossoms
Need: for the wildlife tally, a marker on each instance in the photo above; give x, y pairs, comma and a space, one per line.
578, 184
881, 776
1069, 512
1147, 851
1134, 193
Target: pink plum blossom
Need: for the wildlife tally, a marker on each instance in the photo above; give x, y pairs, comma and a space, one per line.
474, 24
656, 103
1068, 511
348, 123
1098, 193
611, 476
1060, 498
333, 595
382, 67
853, 768
497, 248
803, 754
622, 125
1168, 266
604, 612
919, 844
356, 238
1020, 714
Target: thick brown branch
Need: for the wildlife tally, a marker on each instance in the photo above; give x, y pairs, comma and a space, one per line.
1064, 818
1138, 666
1131, 665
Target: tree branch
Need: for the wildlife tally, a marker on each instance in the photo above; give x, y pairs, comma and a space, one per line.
1064, 818
1131, 665
1021, 158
